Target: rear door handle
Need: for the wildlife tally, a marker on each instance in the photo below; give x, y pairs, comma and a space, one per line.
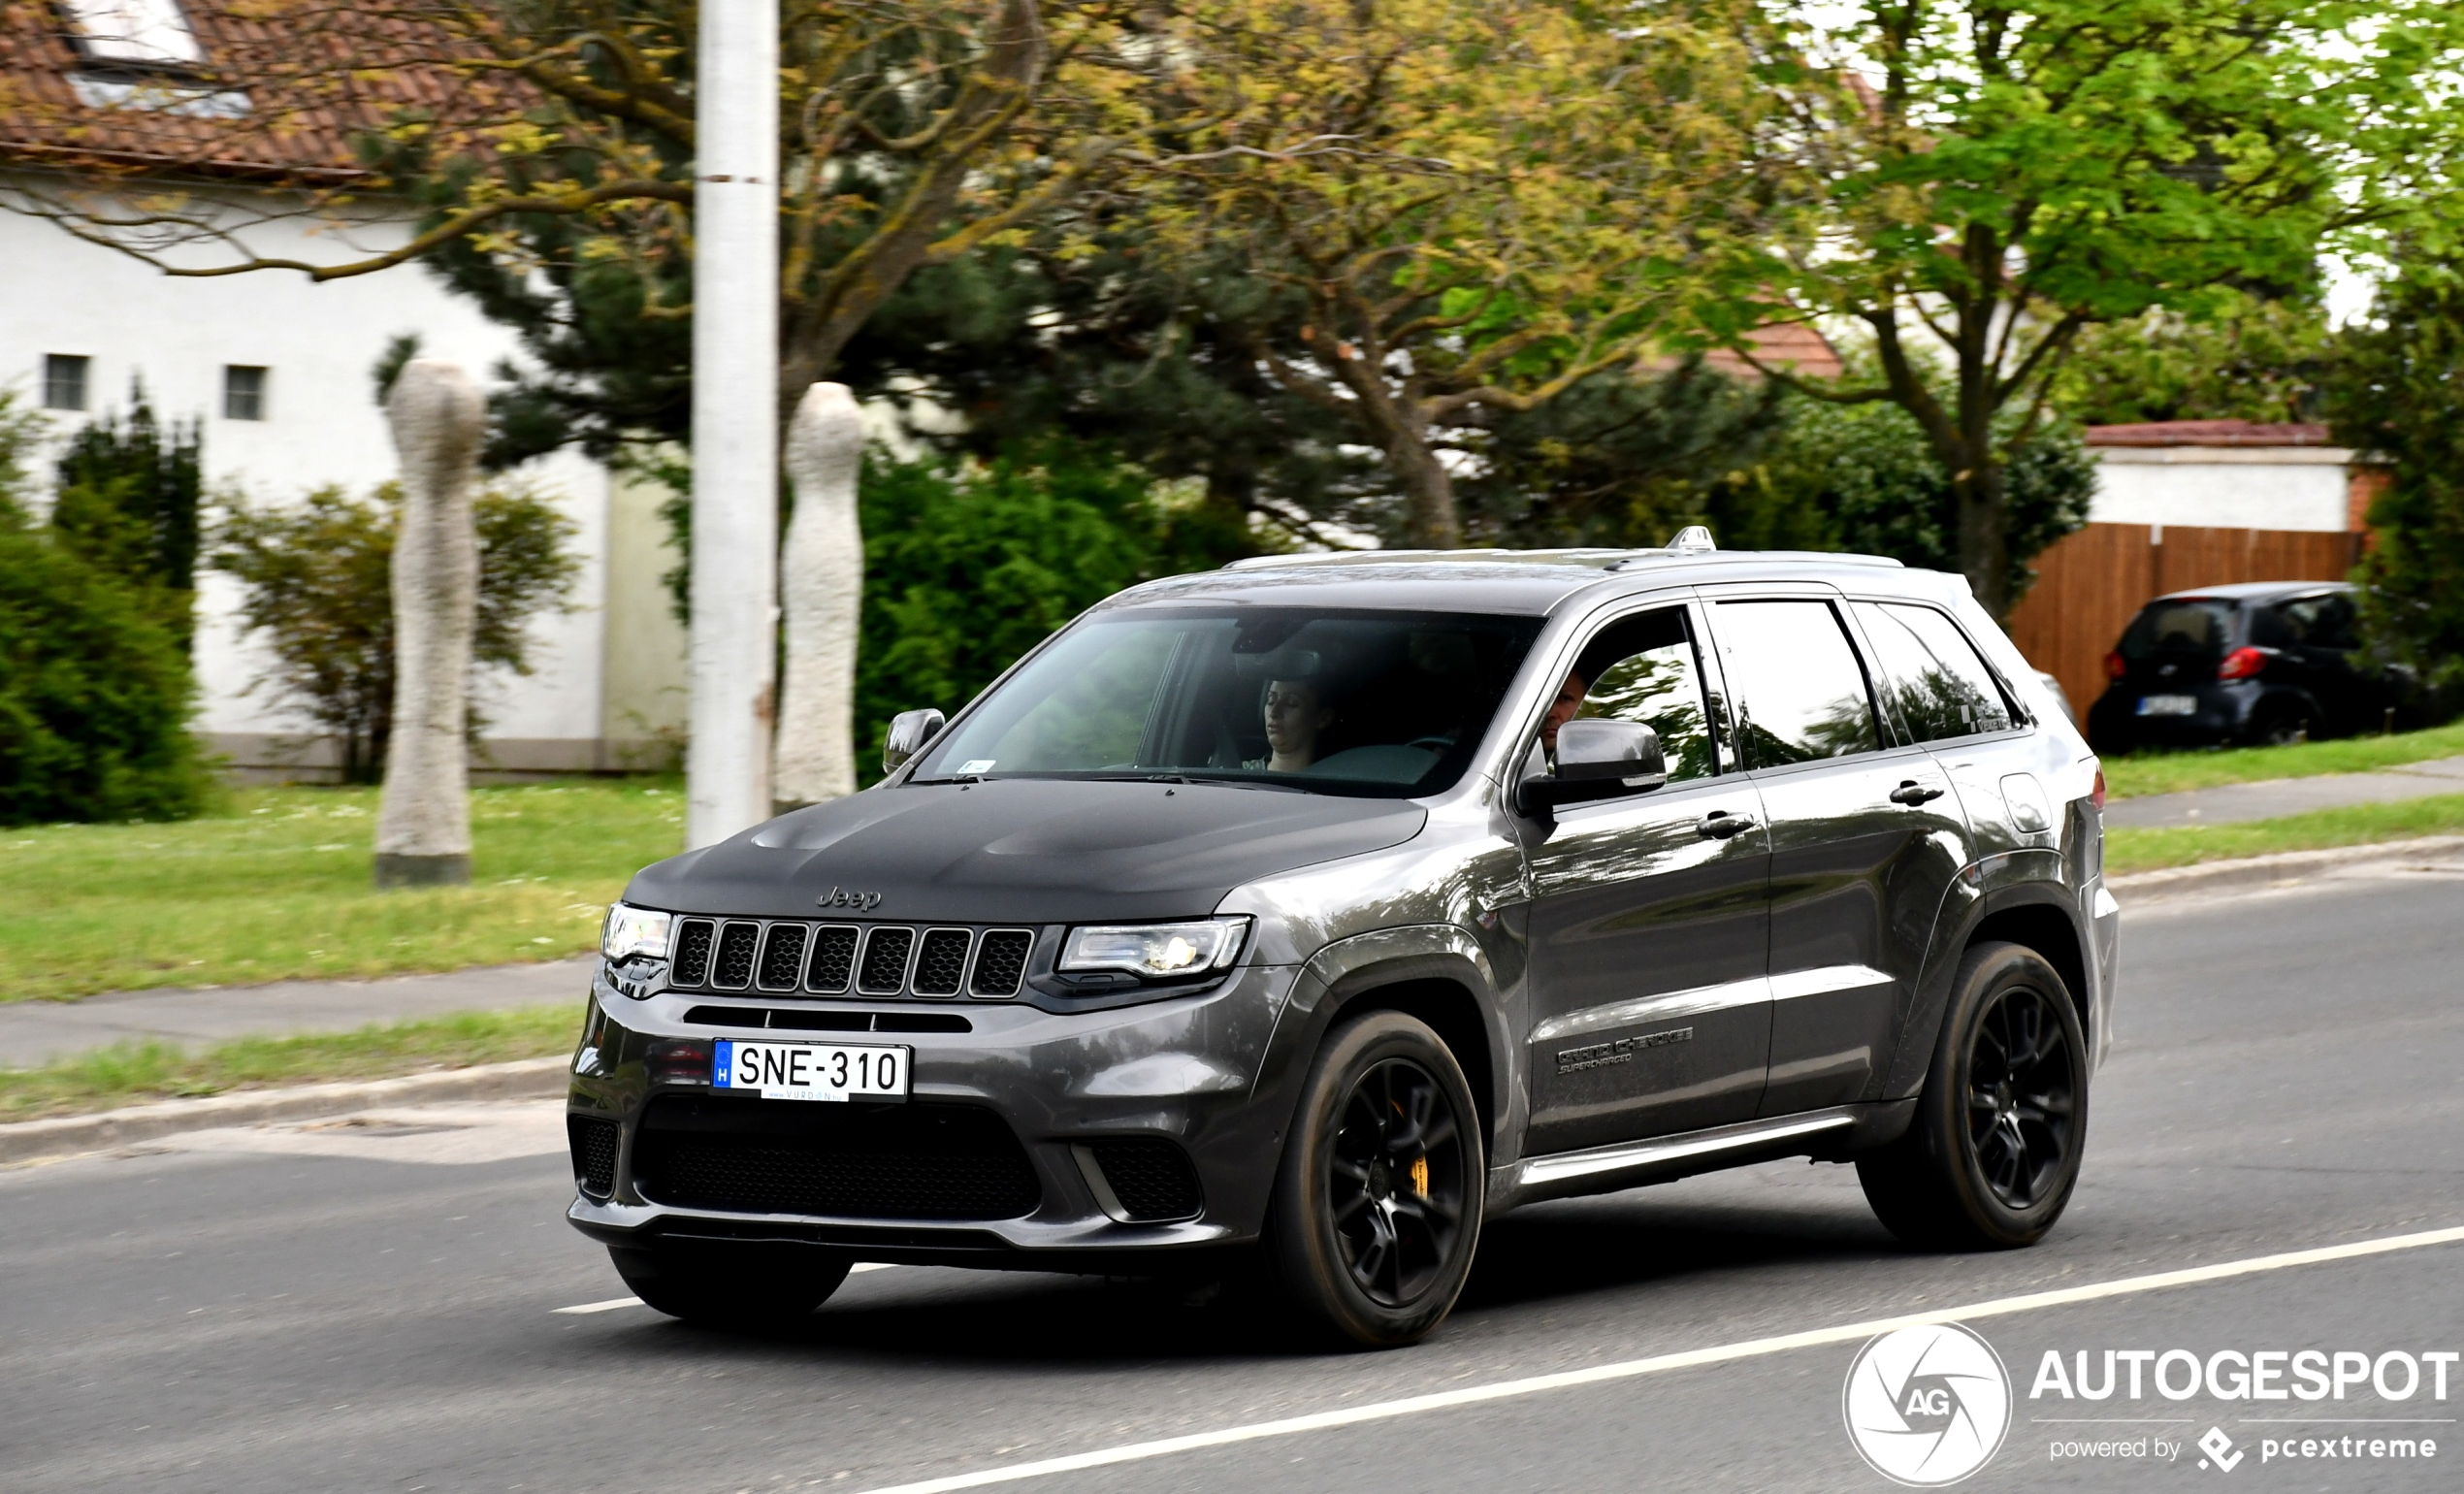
1913, 792
1720, 824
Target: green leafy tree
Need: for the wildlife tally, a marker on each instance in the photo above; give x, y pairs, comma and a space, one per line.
316, 581
94, 691
127, 501
1988, 180
1863, 478
2400, 394
968, 566
2262, 360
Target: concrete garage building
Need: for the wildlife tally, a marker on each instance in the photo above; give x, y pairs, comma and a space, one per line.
276, 368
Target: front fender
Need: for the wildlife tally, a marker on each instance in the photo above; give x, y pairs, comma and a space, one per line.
1339, 975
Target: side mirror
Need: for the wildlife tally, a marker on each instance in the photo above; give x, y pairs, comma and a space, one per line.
910, 733
1599, 759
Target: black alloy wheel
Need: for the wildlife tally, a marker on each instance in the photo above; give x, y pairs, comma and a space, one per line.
1992, 1153
1377, 1205
1394, 1181
2022, 1084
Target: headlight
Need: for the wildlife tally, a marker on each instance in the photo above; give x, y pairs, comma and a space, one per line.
632, 931
1156, 949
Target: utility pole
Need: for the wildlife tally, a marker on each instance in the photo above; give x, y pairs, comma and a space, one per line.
735, 514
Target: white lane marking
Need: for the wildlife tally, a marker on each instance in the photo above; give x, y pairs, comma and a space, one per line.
1472, 1395
610, 1306
613, 1302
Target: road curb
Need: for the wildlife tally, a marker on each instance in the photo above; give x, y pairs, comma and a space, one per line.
28, 1141
2284, 866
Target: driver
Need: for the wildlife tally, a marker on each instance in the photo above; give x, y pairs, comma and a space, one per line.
1296, 716
1568, 704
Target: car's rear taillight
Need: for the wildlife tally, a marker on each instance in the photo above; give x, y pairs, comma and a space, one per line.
2096, 794
2241, 662
2116, 665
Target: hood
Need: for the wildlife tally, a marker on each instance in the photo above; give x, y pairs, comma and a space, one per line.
1022, 850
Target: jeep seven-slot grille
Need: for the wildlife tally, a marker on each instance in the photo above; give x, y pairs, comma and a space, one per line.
885, 967
783, 956
692, 953
1000, 961
733, 971
788, 957
943, 965
834, 961
913, 1161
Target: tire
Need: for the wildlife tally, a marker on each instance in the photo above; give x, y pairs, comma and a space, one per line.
1994, 1152
751, 1288
1377, 1207
2282, 726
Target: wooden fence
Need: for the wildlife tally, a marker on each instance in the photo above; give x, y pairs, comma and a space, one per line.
2089, 585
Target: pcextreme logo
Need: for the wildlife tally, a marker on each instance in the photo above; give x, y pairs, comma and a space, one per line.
1928, 1406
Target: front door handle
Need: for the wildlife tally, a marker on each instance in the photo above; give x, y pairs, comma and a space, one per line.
1913, 792
1720, 824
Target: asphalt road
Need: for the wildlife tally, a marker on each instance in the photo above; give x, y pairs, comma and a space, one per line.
374, 1305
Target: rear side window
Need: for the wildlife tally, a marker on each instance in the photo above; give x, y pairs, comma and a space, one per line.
1931, 673
2319, 622
2194, 626
1799, 689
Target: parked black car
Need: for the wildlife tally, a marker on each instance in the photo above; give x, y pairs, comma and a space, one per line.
2264, 663
1316, 910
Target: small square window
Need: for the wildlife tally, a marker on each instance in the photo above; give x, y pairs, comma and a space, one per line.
64, 381
242, 392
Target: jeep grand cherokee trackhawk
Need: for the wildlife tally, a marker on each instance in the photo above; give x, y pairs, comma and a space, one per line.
1325, 907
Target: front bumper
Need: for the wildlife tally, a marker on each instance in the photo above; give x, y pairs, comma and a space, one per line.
1185, 1069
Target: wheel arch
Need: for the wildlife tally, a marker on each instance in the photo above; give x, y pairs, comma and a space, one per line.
1437, 974
2038, 922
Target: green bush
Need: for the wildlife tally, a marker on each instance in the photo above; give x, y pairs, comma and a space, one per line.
1865, 469
94, 696
967, 568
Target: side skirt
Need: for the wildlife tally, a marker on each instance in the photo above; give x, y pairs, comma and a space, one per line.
1826, 1135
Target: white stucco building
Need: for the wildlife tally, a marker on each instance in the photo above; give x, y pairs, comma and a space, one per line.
2226, 475
278, 368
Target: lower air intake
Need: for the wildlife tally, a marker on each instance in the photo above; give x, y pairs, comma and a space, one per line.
1151, 1177
593, 1144
910, 1161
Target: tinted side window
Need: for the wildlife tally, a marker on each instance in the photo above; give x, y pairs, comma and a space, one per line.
2319, 622
1934, 675
1798, 686
1645, 669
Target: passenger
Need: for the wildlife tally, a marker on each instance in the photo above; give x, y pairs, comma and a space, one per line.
1296, 716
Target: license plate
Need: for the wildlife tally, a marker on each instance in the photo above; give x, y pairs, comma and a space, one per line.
811, 1071
2168, 706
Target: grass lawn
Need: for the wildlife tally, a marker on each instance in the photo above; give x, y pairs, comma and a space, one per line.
2145, 850
275, 885
2165, 773
133, 1073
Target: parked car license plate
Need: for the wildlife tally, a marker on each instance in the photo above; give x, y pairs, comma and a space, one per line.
2168, 706
811, 1071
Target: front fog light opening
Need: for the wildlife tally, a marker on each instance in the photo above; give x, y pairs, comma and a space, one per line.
631, 933
1154, 951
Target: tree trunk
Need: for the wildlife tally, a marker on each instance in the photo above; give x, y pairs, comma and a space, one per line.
423, 826
1428, 489
821, 591
1984, 530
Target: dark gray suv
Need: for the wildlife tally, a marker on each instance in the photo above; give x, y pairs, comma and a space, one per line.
1313, 911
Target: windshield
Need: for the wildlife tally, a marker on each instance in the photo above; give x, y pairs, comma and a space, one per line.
2196, 626
1383, 703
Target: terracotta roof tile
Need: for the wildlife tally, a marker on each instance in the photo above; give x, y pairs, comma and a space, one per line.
2208, 432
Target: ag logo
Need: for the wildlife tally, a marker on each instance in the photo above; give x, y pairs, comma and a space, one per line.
1928, 1406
